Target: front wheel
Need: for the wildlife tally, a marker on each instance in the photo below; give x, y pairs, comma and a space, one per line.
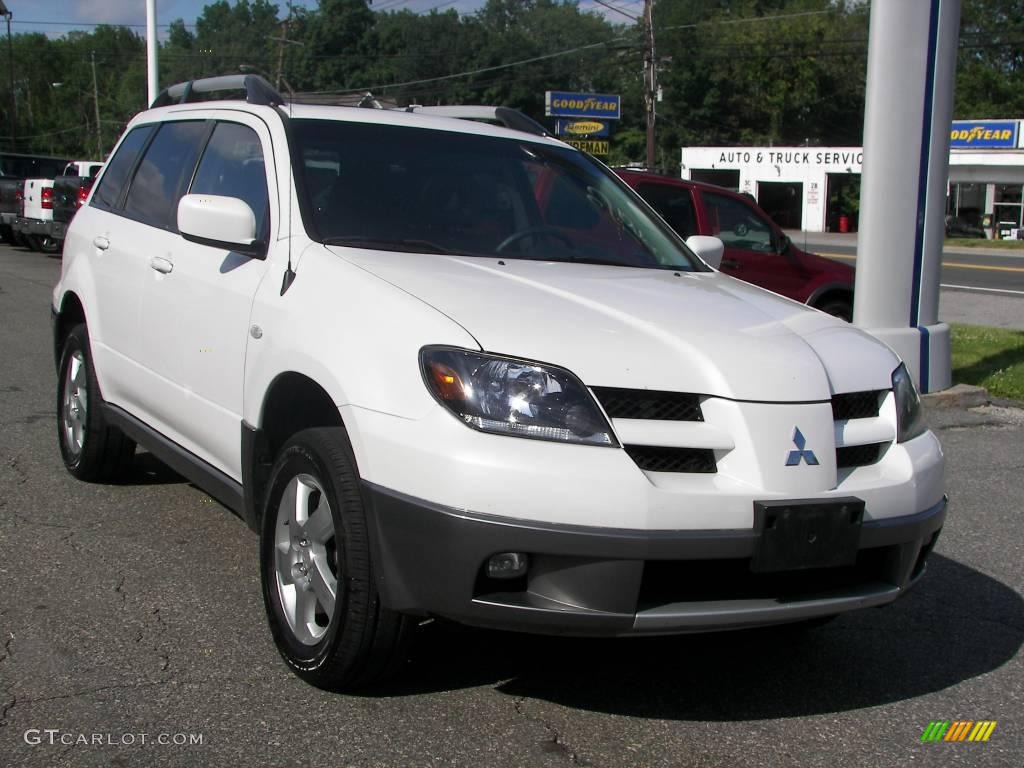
325, 614
840, 308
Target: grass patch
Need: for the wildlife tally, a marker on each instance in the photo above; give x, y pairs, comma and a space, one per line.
992, 358
980, 242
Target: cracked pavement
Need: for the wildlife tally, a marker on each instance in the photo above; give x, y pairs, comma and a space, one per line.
136, 608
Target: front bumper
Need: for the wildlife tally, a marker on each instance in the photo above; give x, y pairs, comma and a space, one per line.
599, 581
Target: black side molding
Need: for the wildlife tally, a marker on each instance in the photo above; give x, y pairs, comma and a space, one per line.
209, 478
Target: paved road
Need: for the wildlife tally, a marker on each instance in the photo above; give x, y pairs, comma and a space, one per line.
135, 609
990, 271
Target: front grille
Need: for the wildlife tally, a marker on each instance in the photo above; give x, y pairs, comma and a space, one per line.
658, 459
648, 404
858, 455
856, 405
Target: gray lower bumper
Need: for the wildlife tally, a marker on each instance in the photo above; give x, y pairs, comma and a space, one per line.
33, 226
597, 581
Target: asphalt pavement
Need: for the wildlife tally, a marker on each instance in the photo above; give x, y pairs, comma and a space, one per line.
987, 271
131, 614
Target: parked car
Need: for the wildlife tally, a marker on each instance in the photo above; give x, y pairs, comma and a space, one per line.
36, 222
456, 370
756, 248
70, 191
14, 169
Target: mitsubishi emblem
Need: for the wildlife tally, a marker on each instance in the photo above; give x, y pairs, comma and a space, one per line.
801, 452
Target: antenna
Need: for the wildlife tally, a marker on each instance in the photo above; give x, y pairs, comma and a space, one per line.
289, 273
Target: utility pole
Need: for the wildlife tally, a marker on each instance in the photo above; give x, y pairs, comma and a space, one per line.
96, 102
10, 67
650, 79
282, 41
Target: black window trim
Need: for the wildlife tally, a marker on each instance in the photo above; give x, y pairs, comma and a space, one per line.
118, 208
119, 202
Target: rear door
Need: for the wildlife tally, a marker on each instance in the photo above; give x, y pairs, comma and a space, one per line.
114, 245
752, 245
197, 300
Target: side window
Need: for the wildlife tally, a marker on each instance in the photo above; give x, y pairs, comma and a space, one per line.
674, 204
737, 223
120, 166
232, 166
164, 172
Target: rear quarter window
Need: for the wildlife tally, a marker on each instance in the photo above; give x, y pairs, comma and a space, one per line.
109, 190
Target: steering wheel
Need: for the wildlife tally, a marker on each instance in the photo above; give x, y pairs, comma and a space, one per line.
741, 229
551, 232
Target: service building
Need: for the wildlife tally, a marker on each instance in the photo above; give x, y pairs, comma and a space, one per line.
818, 188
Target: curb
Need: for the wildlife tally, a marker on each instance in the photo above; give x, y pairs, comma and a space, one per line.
958, 396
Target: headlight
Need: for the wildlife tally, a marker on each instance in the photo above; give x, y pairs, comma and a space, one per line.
909, 416
514, 397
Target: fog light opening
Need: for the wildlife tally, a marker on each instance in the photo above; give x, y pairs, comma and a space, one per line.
508, 565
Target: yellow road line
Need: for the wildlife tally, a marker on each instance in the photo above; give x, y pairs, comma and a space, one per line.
953, 264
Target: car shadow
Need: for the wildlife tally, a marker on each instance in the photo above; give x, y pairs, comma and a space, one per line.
956, 625
146, 469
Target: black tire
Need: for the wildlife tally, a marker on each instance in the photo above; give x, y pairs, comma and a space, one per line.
840, 308
44, 244
103, 452
31, 242
361, 643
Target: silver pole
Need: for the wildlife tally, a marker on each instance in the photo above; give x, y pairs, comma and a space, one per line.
151, 51
912, 48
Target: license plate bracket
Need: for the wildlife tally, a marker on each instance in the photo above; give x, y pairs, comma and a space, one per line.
799, 534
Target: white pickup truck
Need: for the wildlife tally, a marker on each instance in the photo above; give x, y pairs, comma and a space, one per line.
36, 220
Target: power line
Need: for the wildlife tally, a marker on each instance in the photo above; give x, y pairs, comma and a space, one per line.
88, 24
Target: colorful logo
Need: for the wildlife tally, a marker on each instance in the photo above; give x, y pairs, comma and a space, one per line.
958, 730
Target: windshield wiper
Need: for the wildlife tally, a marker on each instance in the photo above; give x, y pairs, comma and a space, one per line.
380, 244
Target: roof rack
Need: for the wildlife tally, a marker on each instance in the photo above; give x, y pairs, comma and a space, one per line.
257, 90
504, 116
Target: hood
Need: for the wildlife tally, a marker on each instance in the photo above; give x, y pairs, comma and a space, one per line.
704, 333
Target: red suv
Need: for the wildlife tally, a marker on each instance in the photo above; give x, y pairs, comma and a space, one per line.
756, 249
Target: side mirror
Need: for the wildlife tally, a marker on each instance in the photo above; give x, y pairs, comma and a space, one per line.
220, 222
710, 249
784, 243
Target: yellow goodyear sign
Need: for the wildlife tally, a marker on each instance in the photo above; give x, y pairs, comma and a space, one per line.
593, 146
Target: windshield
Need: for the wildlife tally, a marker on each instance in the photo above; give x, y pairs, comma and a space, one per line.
426, 191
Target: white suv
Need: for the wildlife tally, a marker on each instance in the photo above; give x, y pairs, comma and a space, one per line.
458, 370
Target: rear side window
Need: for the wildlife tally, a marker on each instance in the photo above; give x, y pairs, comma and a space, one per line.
673, 204
113, 180
232, 166
164, 173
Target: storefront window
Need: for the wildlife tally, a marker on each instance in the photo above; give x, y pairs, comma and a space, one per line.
1007, 208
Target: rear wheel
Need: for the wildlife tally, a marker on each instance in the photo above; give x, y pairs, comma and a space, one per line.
91, 448
317, 573
44, 243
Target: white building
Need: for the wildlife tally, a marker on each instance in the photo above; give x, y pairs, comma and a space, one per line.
818, 188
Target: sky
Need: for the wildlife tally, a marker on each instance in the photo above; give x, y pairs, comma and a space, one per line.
55, 17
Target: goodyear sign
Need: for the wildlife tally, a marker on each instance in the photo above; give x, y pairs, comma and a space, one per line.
593, 105
580, 128
983, 134
589, 145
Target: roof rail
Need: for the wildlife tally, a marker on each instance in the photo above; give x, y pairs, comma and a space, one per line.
505, 116
257, 90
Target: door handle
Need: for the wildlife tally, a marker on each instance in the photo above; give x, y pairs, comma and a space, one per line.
101, 242
731, 263
160, 264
